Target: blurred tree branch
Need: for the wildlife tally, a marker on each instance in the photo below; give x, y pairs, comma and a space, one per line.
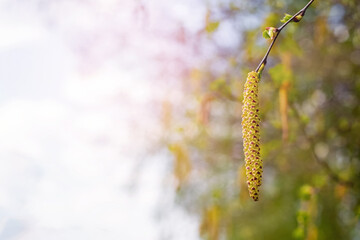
322, 163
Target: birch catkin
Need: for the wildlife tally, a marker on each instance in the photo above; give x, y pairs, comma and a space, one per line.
251, 134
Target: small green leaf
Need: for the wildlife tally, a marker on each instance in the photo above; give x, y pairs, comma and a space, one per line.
271, 31
212, 26
286, 18
266, 34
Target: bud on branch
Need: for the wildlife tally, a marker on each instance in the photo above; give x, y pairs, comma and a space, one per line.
273, 33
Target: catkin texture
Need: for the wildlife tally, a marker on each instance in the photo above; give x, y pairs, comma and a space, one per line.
251, 135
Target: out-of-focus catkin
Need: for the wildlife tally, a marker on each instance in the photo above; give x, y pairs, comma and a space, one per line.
251, 134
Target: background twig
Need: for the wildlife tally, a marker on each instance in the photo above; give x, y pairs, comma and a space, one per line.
322, 163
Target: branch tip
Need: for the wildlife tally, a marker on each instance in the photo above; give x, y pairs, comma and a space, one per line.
296, 18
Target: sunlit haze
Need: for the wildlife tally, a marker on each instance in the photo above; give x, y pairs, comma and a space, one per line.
81, 87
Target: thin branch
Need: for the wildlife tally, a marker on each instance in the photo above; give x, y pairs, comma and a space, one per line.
321, 162
278, 30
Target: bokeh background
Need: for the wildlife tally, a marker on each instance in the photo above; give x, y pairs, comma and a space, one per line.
122, 120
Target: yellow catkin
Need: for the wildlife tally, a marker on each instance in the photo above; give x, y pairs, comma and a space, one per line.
251, 135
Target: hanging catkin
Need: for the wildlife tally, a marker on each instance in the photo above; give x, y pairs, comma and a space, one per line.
251, 134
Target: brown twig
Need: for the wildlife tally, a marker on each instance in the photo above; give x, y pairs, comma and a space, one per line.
278, 30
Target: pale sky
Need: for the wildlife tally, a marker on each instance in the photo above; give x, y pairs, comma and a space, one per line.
75, 122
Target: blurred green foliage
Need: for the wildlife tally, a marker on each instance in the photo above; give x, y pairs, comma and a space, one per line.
310, 132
